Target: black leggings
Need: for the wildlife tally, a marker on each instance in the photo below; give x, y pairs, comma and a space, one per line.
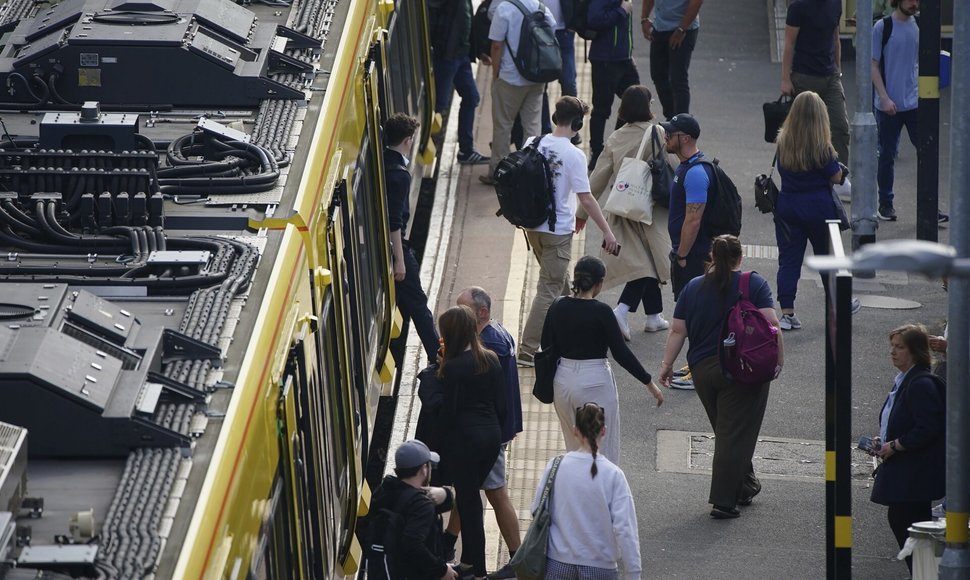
904, 514
472, 458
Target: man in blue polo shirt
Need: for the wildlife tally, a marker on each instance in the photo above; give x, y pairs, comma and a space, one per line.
689, 238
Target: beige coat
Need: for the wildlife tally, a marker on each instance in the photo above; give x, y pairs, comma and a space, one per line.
645, 251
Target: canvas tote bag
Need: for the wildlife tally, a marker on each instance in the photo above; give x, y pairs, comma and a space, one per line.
630, 196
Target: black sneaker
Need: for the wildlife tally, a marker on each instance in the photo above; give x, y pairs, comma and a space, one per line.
887, 213
720, 512
472, 158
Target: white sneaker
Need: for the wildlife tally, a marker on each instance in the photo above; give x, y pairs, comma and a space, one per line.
844, 190
655, 323
624, 325
789, 322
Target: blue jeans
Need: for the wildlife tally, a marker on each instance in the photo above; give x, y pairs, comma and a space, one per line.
456, 75
567, 78
890, 128
668, 70
799, 219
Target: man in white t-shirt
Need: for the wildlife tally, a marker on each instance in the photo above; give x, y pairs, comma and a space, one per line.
512, 94
553, 248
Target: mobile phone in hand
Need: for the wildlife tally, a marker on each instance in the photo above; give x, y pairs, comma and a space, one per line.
869, 445
616, 253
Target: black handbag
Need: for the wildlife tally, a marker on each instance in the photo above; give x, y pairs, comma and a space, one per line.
765, 190
546, 362
662, 174
775, 114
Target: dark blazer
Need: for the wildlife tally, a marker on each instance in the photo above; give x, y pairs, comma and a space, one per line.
918, 420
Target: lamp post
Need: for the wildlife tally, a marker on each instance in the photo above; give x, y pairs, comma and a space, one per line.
936, 260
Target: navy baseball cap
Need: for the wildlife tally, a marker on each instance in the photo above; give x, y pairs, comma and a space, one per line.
414, 453
682, 123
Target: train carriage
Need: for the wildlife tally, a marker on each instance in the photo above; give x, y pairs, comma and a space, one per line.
197, 300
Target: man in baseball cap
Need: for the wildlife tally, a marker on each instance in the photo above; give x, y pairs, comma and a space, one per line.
414, 453
408, 545
683, 123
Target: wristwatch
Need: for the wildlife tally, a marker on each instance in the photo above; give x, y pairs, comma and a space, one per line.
676, 257
892, 445
681, 30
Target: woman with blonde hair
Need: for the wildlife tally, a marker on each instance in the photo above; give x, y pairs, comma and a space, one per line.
644, 264
473, 410
809, 167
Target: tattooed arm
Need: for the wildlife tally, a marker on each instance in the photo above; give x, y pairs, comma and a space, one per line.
692, 224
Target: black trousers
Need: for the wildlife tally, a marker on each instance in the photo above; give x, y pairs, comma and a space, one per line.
471, 456
413, 303
668, 70
609, 78
904, 514
646, 290
680, 276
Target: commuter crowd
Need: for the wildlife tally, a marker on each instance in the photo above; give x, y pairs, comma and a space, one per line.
471, 393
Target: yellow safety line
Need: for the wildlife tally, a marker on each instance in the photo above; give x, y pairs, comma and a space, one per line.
830, 466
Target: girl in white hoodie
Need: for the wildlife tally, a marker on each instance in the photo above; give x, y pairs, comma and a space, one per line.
594, 522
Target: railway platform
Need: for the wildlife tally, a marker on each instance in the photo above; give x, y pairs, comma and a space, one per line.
666, 452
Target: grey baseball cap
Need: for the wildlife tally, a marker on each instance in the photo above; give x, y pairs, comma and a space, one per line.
414, 453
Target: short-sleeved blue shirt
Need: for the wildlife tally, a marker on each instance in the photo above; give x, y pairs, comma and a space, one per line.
696, 181
497, 339
900, 62
703, 309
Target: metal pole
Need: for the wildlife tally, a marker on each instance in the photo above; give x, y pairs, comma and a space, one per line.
956, 558
863, 160
838, 415
928, 118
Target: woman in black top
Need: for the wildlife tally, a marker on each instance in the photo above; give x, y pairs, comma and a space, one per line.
473, 410
582, 328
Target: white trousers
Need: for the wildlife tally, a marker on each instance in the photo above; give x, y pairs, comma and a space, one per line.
579, 382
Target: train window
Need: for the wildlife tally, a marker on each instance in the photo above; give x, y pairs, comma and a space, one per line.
370, 238
340, 431
405, 81
316, 456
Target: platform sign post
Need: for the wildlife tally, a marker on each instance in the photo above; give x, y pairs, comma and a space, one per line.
838, 415
956, 557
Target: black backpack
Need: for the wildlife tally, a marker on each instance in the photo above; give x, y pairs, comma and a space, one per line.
480, 26
538, 58
523, 184
575, 13
382, 534
722, 215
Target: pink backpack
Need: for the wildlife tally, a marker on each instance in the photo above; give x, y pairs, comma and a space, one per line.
749, 343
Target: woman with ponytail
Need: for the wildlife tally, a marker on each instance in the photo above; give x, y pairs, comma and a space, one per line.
594, 522
735, 410
582, 329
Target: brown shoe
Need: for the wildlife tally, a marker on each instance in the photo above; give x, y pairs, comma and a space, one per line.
487, 179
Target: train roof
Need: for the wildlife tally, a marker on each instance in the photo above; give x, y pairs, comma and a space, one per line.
138, 138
